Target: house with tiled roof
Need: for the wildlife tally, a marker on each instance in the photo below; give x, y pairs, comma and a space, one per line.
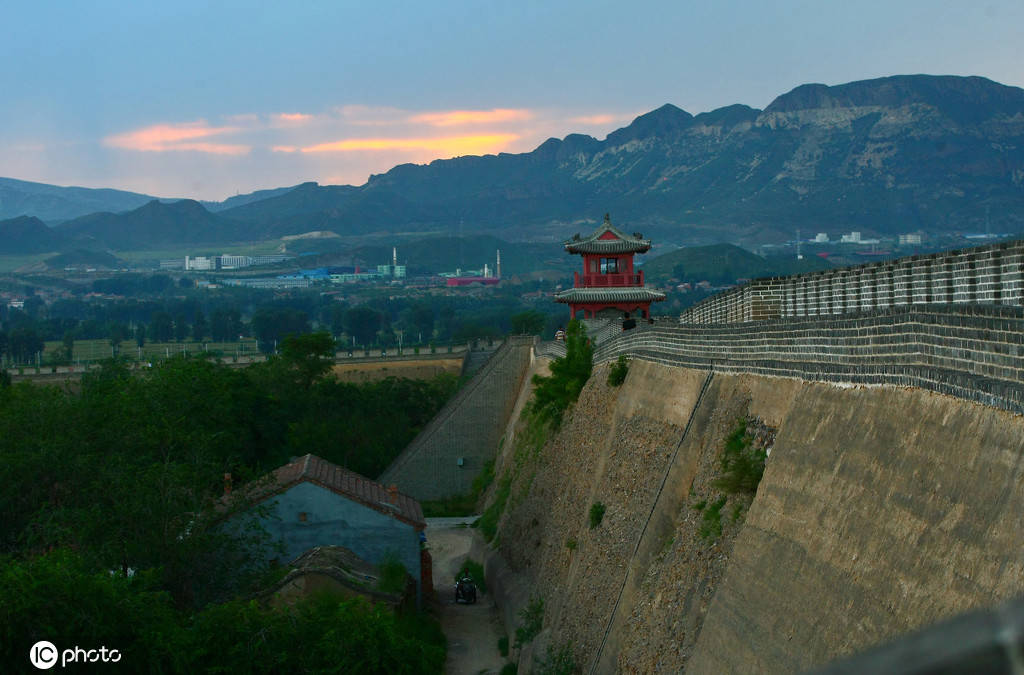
313, 502
610, 286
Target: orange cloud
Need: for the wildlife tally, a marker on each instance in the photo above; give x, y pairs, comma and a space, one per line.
450, 146
176, 137
595, 119
452, 118
292, 118
284, 148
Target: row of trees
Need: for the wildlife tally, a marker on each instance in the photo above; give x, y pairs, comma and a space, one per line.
110, 501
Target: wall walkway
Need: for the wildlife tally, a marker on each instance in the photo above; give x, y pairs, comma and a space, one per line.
449, 453
972, 352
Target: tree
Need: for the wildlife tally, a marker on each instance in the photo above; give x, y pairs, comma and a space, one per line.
140, 335
273, 324
200, 329
553, 395
116, 334
25, 343
180, 327
530, 322
68, 343
161, 327
362, 323
311, 355
225, 324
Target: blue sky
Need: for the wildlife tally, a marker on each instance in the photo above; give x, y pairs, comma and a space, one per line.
205, 99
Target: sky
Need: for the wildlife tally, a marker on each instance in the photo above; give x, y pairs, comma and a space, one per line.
211, 99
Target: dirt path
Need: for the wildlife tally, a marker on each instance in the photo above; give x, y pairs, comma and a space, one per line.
472, 630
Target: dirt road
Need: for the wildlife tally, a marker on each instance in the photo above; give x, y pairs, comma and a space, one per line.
472, 630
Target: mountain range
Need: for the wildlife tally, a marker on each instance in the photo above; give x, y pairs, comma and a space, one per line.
891, 155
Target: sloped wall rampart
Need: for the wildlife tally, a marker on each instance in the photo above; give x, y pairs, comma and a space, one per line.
469, 428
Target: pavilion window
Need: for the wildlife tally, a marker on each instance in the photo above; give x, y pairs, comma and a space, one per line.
609, 265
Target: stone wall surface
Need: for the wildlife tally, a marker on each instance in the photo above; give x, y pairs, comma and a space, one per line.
971, 352
882, 509
468, 428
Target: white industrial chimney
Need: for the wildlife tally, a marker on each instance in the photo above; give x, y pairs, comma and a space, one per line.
498, 267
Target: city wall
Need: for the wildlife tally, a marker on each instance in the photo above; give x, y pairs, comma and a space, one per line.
973, 352
992, 274
450, 452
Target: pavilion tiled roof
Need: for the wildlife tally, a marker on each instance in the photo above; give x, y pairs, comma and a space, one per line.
610, 294
349, 484
622, 243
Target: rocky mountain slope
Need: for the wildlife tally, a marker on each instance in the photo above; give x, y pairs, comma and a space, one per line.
889, 155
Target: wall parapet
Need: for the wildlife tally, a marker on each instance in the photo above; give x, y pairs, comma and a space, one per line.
971, 352
989, 275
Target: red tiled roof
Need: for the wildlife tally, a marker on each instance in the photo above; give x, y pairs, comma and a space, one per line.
345, 483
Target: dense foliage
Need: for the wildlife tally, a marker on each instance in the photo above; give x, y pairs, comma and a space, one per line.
110, 509
553, 394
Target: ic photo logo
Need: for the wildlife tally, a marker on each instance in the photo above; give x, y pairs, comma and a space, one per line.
44, 655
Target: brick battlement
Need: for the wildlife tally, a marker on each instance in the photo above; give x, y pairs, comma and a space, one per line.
992, 275
973, 352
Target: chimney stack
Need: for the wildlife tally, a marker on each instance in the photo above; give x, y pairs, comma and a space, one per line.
393, 494
227, 484
498, 270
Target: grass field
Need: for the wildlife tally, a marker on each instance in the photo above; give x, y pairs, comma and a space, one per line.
87, 351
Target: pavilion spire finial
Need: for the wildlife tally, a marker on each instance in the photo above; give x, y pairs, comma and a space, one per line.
608, 218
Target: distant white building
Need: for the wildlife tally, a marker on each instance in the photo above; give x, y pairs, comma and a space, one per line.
200, 263
909, 239
821, 238
855, 238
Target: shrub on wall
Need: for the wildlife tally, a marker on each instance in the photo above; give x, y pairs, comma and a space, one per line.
617, 373
554, 394
596, 514
742, 464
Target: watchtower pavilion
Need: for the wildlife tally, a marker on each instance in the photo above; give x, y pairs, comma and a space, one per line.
609, 286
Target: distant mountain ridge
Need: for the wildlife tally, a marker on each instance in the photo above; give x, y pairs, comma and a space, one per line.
890, 155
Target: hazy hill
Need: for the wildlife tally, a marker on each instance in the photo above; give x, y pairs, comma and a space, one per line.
241, 200
446, 254
724, 264
152, 225
83, 258
53, 203
26, 234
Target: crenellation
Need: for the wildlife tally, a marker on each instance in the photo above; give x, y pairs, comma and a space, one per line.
989, 275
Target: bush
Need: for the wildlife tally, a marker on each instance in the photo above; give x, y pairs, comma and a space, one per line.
712, 525
570, 544
554, 394
533, 621
596, 514
509, 669
742, 465
617, 373
557, 662
393, 575
503, 645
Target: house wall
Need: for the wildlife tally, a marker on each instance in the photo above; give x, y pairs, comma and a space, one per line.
333, 520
